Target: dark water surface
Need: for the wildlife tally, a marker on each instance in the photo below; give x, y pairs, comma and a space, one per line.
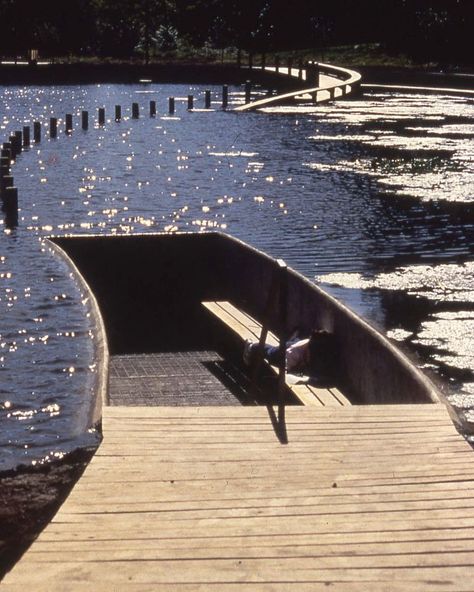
373, 199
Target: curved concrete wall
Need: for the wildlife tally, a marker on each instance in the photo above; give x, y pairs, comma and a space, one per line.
90, 415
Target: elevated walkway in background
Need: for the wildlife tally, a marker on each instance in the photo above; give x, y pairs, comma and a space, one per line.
320, 83
360, 498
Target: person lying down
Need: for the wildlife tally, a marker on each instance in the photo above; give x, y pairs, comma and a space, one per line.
311, 359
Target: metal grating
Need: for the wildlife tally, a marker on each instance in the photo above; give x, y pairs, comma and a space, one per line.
176, 378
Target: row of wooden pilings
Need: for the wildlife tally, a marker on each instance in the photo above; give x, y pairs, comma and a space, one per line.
22, 139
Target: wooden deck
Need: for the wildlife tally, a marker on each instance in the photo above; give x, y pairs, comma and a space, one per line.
208, 498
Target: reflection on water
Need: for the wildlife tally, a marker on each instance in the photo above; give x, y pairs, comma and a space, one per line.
372, 198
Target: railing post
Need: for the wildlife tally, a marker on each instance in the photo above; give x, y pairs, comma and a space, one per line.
282, 317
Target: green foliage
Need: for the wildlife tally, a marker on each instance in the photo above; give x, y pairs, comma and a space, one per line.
424, 29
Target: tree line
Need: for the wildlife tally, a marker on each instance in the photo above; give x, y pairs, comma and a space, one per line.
423, 29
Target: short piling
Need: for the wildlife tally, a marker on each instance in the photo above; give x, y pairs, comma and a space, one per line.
248, 91
118, 112
26, 136
101, 116
190, 102
10, 206
171, 106
207, 99
152, 108
85, 120
37, 132
53, 127
4, 167
135, 111
5, 183
225, 96
7, 150
16, 142
68, 123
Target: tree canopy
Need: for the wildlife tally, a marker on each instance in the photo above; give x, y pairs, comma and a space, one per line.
423, 29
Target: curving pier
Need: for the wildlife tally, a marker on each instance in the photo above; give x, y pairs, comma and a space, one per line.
326, 82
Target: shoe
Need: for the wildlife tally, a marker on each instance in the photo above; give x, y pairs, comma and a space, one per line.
247, 355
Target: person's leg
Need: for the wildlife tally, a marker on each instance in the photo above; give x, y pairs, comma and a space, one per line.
271, 353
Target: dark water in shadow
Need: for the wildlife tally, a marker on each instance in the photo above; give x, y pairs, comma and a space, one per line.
372, 198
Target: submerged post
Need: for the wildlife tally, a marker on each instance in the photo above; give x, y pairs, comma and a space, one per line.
18, 142
37, 132
53, 127
247, 91
26, 136
101, 116
135, 111
171, 106
68, 123
5, 183
10, 205
85, 120
225, 96
190, 102
152, 108
118, 112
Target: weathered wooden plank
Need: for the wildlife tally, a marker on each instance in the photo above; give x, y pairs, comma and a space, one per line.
204, 503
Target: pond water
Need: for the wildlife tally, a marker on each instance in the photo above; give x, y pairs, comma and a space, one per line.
371, 198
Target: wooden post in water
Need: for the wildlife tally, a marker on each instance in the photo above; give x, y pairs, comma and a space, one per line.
37, 131
10, 205
4, 167
7, 150
118, 112
152, 108
11, 141
68, 123
207, 99
190, 102
225, 96
171, 106
101, 115
85, 120
248, 89
18, 140
135, 111
53, 127
26, 136
5, 183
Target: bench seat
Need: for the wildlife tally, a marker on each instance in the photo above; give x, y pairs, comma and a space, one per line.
246, 327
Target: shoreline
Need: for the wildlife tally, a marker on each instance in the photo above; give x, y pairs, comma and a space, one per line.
215, 73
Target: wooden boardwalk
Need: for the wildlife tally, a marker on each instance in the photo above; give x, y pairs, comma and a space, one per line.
208, 498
